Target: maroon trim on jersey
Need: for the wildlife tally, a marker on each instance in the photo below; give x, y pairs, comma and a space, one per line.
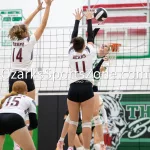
71, 48
13, 54
87, 48
28, 39
83, 63
77, 67
32, 55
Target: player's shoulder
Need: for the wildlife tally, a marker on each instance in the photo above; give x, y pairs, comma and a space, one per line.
70, 49
27, 97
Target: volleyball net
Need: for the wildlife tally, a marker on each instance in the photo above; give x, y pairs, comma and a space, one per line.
127, 69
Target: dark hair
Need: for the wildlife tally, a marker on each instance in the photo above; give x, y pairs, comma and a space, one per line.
19, 87
78, 43
16, 32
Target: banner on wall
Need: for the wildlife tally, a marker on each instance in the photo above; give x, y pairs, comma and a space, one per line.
128, 120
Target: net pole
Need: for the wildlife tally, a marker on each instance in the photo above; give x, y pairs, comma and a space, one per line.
148, 9
148, 20
89, 4
40, 43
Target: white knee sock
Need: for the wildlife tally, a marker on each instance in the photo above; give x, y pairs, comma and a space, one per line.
16, 146
97, 146
80, 148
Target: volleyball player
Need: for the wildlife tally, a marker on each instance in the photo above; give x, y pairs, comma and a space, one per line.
22, 47
99, 140
14, 107
78, 141
80, 92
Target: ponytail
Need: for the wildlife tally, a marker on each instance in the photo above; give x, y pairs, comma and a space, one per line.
7, 96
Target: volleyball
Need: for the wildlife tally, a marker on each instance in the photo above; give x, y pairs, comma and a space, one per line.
100, 14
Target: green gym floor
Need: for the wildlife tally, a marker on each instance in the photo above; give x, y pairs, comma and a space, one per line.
9, 143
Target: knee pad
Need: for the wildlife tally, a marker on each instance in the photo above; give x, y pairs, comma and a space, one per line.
80, 148
86, 125
97, 146
73, 123
67, 119
97, 121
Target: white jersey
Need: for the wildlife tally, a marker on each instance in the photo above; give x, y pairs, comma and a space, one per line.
19, 104
81, 64
23, 53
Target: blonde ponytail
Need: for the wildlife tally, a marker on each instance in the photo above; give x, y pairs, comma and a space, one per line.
7, 96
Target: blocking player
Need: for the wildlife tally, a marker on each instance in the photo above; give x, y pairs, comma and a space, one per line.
80, 92
22, 50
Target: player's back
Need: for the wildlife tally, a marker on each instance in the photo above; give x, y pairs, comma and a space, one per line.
81, 64
19, 104
22, 53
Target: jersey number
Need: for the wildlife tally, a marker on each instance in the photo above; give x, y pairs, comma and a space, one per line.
13, 102
18, 56
83, 65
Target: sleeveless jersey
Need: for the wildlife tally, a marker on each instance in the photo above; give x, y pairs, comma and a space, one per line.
23, 53
81, 64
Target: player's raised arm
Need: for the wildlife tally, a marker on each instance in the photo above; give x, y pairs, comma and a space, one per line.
33, 14
89, 14
40, 29
78, 16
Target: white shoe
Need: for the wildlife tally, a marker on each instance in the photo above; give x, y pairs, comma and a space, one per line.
16, 147
102, 147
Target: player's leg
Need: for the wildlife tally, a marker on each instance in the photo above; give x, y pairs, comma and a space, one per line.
96, 116
77, 143
96, 141
87, 113
12, 79
81, 138
23, 138
73, 108
2, 139
97, 122
98, 145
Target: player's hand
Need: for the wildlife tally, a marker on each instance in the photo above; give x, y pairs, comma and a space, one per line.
40, 5
89, 14
78, 14
105, 58
48, 2
102, 69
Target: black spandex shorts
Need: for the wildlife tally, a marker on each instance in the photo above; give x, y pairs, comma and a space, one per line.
80, 91
22, 76
10, 122
95, 88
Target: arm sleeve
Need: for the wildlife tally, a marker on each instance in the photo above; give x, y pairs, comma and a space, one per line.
95, 31
97, 67
32, 116
90, 32
104, 113
33, 121
75, 30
